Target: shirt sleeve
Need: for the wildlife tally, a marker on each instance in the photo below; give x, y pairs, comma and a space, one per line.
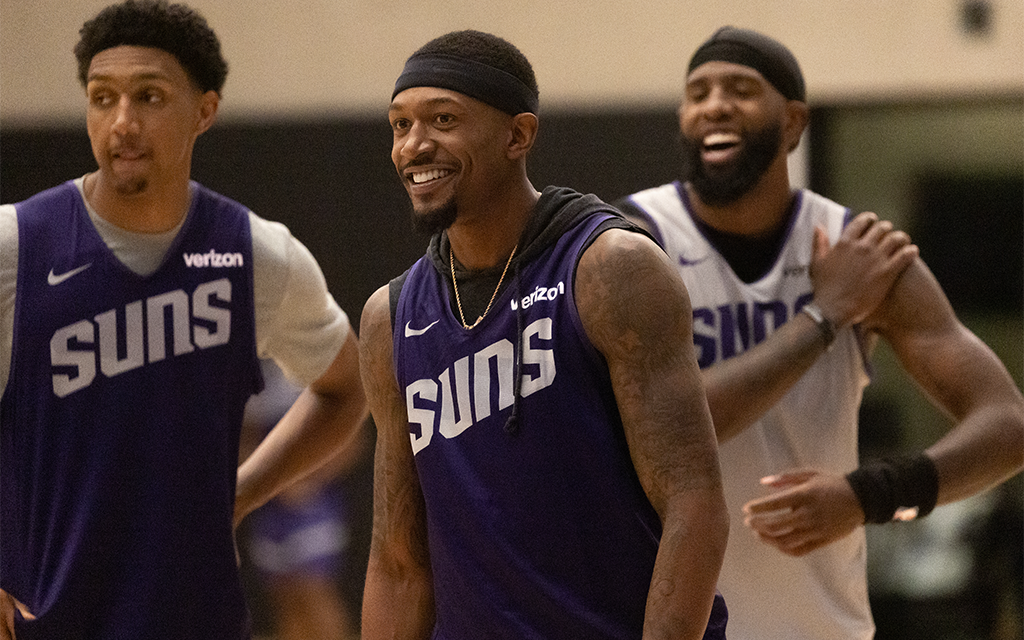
8, 286
298, 323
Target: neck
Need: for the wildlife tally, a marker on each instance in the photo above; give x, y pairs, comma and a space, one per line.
159, 208
483, 236
759, 212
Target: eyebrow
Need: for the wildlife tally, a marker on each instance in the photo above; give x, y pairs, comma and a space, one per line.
133, 78
432, 102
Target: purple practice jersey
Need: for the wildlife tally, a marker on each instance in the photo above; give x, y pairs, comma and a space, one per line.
541, 531
119, 427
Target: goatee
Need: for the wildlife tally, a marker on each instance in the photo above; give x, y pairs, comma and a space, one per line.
131, 186
725, 184
435, 220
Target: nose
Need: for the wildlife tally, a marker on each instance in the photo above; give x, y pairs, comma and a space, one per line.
415, 142
716, 104
124, 116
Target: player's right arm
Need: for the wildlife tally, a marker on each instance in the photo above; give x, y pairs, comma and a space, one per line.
850, 279
398, 598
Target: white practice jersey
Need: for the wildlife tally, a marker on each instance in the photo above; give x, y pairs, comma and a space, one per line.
770, 595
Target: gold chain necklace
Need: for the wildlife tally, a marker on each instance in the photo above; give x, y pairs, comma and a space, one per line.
455, 283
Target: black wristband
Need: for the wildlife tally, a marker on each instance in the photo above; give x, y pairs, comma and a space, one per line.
884, 486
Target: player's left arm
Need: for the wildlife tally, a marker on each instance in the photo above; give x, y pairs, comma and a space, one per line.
324, 419
636, 311
960, 374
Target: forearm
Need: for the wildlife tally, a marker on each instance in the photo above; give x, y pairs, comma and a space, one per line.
323, 420
761, 376
396, 608
686, 571
983, 450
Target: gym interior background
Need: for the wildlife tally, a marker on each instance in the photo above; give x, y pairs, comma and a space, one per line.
917, 114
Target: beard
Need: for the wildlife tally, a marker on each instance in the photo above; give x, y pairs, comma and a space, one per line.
431, 221
725, 184
131, 186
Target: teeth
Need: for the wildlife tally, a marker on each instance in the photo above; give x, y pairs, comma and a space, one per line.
423, 176
721, 138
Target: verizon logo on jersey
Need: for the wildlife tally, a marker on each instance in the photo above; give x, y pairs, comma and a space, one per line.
213, 259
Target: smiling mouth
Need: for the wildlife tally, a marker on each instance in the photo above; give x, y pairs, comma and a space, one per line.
720, 141
420, 177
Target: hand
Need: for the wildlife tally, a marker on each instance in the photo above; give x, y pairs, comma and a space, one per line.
854, 276
810, 510
7, 606
7, 615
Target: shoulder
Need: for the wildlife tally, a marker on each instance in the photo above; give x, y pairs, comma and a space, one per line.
624, 278
277, 253
819, 208
617, 259
376, 316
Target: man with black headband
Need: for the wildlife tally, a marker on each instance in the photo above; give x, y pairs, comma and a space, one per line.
545, 466
790, 292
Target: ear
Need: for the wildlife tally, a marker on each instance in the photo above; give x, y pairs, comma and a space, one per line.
522, 135
797, 117
208, 105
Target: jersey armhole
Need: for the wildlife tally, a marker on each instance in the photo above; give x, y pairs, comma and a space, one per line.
395, 292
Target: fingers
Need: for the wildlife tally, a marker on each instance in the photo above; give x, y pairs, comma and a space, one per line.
788, 478
860, 224
820, 246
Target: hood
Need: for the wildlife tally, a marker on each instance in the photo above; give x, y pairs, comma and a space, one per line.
557, 210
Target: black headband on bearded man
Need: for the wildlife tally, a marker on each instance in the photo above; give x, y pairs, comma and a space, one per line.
488, 84
751, 49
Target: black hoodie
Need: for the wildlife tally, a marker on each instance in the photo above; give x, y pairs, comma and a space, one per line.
557, 210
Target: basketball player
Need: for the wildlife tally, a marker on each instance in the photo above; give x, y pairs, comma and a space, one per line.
790, 293
133, 306
545, 466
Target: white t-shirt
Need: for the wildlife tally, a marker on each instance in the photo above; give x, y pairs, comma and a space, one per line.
298, 323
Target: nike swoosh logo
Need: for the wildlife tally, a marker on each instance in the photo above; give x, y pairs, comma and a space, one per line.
54, 279
410, 332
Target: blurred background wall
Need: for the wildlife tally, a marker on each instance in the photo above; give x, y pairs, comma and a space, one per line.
917, 114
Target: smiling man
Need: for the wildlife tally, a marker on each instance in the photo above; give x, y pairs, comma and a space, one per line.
545, 465
134, 304
790, 292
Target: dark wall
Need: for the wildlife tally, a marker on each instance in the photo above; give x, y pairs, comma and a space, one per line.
333, 184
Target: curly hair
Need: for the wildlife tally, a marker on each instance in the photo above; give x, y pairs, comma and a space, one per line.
174, 28
485, 48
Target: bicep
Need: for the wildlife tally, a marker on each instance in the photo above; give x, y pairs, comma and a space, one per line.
636, 311
399, 526
951, 364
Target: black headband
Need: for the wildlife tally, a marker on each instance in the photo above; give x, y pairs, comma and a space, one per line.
487, 84
751, 49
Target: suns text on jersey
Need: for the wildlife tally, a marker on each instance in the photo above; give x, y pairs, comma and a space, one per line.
196, 322
722, 332
475, 387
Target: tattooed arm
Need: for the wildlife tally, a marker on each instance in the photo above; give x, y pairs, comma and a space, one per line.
636, 311
398, 598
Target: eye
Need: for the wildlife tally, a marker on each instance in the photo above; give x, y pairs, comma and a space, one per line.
151, 96
696, 92
444, 119
746, 88
399, 125
100, 98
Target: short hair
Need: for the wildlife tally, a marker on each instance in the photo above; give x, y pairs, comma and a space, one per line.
175, 28
485, 48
